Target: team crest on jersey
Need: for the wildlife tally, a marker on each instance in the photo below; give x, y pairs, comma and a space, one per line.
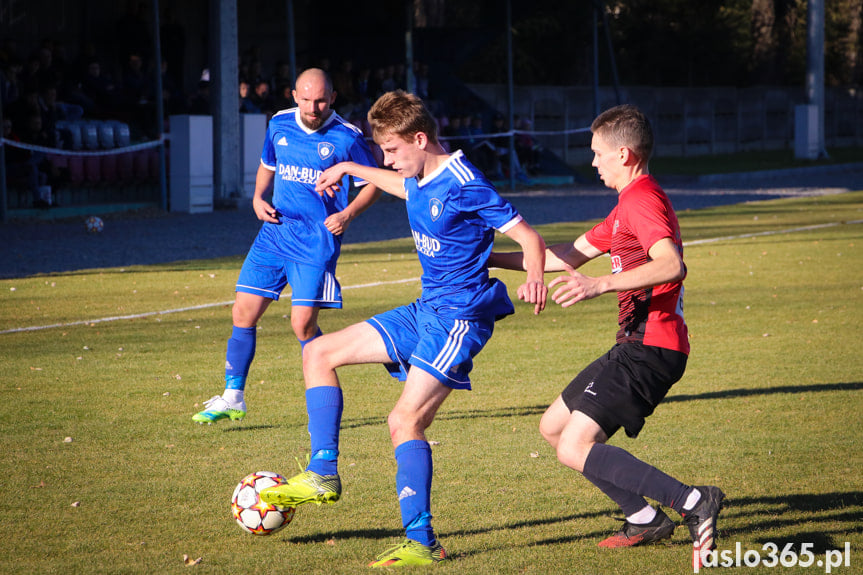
435, 208
325, 150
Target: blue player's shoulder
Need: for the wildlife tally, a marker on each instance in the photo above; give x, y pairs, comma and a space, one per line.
339, 120
284, 112
459, 166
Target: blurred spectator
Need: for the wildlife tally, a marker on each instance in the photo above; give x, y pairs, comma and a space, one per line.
172, 95
421, 77
283, 99
376, 83
247, 106
526, 147
481, 151
132, 32
363, 87
99, 89
281, 77
400, 77
388, 81
262, 98
53, 111
38, 167
453, 134
22, 168
9, 80
21, 109
500, 139
135, 89
199, 102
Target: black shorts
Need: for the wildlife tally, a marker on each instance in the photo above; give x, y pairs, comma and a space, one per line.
624, 386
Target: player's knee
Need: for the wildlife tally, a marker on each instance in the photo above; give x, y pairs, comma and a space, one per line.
304, 329
316, 355
548, 433
404, 426
573, 455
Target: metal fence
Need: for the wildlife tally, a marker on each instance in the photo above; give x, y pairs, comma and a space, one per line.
686, 121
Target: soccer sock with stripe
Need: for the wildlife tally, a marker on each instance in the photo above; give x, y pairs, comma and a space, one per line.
413, 483
238, 359
324, 405
621, 469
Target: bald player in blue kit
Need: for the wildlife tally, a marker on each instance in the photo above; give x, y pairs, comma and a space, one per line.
300, 240
429, 344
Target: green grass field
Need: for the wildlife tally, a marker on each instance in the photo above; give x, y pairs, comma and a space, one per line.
103, 470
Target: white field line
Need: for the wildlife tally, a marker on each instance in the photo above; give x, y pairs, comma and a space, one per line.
178, 310
393, 282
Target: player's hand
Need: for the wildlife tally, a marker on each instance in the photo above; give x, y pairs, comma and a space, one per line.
534, 292
265, 211
337, 223
574, 287
329, 180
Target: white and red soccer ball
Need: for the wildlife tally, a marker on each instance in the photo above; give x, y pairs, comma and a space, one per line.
94, 224
251, 512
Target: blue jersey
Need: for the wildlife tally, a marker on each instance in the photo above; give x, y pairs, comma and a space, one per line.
453, 214
298, 155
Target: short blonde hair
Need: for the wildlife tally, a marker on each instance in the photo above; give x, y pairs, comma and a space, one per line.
403, 114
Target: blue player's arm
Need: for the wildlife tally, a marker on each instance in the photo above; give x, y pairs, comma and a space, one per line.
337, 223
263, 184
558, 257
533, 290
387, 180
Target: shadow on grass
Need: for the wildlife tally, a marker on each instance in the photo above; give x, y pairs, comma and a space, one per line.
748, 392
378, 534
527, 410
833, 517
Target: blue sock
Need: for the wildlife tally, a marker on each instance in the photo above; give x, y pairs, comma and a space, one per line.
618, 467
324, 405
303, 342
413, 483
238, 358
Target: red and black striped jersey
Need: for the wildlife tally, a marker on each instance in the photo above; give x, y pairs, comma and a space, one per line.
642, 217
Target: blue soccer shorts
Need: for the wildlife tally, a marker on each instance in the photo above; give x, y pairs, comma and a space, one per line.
265, 274
442, 346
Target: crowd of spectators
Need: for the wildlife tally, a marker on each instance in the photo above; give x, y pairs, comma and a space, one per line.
485, 143
40, 88
357, 87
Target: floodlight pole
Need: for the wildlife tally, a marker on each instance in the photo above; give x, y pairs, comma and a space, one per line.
594, 29
160, 112
815, 66
409, 47
292, 49
4, 212
510, 96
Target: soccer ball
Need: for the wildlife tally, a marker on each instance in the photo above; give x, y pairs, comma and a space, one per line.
94, 224
251, 512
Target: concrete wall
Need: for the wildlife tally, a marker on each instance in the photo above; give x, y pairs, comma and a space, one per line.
686, 121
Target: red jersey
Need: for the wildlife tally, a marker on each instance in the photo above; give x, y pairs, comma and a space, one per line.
642, 217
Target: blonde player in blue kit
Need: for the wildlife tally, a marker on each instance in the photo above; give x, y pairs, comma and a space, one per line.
300, 239
429, 344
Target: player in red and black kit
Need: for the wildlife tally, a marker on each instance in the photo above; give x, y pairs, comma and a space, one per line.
624, 386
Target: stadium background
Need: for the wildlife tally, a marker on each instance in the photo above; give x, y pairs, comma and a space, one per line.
724, 77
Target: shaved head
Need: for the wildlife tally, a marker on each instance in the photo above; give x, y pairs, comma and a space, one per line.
314, 95
314, 76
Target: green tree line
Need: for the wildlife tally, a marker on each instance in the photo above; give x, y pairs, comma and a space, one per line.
668, 42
